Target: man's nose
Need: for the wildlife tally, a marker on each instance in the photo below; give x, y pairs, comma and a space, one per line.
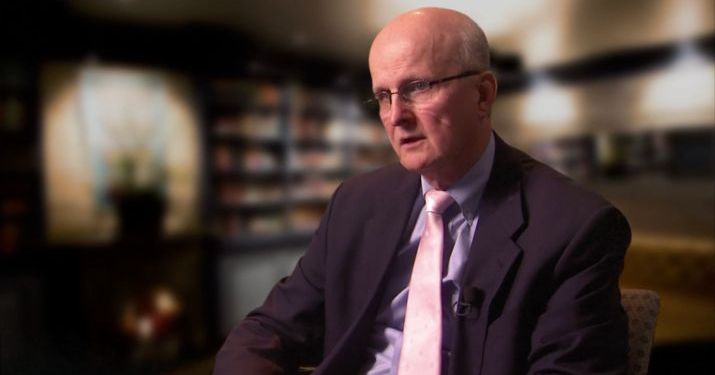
399, 112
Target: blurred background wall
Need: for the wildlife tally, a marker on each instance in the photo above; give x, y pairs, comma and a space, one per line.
164, 162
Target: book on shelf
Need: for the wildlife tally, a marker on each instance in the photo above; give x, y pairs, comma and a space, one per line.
241, 194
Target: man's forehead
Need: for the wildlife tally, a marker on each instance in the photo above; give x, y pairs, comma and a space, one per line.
419, 52
414, 30
393, 63
395, 50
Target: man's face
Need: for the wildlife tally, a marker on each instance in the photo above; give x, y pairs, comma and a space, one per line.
439, 135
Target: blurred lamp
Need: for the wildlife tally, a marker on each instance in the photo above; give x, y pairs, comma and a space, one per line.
684, 94
548, 106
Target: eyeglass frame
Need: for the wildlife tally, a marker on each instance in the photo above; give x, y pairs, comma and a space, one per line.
430, 84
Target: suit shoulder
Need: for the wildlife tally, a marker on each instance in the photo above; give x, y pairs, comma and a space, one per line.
557, 207
544, 186
375, 182
360, 197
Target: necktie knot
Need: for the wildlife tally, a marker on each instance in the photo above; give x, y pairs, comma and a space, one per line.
437, 201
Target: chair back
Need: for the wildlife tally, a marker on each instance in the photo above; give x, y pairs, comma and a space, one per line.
642, 308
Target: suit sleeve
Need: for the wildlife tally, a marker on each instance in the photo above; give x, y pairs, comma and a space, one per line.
583, 328
289, 322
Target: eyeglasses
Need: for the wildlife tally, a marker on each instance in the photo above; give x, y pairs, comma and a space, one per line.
414, 92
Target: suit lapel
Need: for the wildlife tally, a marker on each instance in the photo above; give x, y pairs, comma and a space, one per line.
492, 255
501, 216
387, 230
383, 234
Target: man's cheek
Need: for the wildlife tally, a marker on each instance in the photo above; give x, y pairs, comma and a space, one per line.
429, 113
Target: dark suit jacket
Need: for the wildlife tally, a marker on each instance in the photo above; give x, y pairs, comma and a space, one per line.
542, 276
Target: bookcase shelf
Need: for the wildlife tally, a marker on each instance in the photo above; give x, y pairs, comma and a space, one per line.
278, 151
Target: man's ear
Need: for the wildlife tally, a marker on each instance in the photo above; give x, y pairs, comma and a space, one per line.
487, 89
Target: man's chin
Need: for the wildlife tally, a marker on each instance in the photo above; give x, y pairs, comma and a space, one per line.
413, 165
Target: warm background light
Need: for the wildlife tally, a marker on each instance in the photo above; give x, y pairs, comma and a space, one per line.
164, 162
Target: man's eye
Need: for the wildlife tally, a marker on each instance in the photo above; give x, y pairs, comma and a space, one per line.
415, 87
382, 96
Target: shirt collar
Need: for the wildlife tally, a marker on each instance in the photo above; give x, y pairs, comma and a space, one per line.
468, 190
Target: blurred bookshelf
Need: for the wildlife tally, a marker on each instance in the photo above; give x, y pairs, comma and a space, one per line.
19, 172
271, 150
278, 150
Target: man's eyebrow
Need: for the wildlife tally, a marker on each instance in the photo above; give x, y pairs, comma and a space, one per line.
401, 83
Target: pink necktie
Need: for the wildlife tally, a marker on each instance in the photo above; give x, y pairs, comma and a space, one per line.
422, 333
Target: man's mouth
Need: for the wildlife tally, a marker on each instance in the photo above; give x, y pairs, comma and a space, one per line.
410, 140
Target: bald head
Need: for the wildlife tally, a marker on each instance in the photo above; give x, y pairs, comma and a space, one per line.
453, 34
433, 65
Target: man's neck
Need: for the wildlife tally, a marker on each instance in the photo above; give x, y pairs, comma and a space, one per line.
442, 177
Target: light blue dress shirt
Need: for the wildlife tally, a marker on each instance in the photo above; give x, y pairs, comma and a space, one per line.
386, 337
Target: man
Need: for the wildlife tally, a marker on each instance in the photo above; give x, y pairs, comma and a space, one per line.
529, 282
